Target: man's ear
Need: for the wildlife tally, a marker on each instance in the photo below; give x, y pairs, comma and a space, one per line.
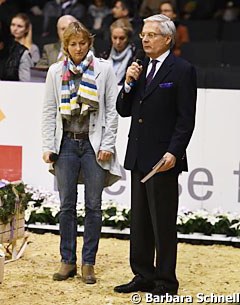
168, 40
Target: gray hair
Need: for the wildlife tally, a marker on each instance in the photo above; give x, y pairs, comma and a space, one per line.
166, 26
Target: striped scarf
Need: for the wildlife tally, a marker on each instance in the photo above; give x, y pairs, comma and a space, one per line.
86, 98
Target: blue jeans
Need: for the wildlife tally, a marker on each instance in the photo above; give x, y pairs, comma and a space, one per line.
75, 156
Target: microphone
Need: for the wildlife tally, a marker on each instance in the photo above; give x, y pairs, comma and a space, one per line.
53, 157
140, 55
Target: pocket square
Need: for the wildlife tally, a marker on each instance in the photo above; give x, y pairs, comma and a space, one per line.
166, 85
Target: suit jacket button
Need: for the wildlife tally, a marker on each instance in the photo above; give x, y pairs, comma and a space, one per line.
140, 121
140, 102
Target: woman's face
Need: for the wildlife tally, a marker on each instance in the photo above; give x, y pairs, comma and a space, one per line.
119, 39
18, 28
78, 48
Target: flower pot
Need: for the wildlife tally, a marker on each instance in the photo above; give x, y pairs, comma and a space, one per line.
12, 230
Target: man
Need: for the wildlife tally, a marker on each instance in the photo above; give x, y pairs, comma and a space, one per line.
53, 52
121, 9
57, 8
162, 106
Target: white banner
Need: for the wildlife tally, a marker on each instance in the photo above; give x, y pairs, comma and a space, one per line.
213, 180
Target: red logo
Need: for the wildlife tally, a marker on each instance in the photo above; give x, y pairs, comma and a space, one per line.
10, 162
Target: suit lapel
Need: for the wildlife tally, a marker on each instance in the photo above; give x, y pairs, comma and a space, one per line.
142, 79
163, 71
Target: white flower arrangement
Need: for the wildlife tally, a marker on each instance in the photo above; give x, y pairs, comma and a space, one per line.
44, 207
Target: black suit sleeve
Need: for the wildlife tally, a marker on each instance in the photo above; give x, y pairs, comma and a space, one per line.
124, 103
186, 108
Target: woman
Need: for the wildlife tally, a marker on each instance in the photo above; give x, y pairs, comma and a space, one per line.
79, 126
15, 61
122, 51
21, 30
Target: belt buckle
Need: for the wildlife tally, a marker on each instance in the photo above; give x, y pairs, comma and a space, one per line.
74, 136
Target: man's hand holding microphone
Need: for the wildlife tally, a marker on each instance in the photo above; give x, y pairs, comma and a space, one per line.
134, 71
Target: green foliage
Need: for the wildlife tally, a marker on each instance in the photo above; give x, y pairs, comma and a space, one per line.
13, 198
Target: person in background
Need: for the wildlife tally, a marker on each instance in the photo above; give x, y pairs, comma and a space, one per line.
57, 8
150, 7
79, 124
182, 36
121, 9
53, 52
98, 11
122, 51
162, 105
21, 30
15, 58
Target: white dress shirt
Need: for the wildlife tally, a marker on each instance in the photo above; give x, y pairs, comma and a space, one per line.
160, 60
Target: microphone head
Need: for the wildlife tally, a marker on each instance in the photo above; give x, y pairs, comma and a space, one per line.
53, 157
140, 55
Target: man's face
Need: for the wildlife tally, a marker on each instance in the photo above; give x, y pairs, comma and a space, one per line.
118, 11
156, 45
167, 10
63, 23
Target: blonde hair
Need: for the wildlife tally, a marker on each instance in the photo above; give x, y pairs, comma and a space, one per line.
73, 30
123, 24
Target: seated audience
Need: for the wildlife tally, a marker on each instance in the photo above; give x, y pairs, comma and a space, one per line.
122, 51
21, 30
57, 8
150, 7
122, 9
53, 52
229, 12
182, 36
15, 62
98, 11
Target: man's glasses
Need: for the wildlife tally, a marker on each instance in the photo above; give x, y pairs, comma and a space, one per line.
150, 35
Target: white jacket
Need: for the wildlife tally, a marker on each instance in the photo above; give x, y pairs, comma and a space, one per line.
103, 123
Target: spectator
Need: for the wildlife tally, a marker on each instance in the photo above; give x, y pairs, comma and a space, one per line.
230, 12
182, 36
122, 51
16, 62
57, 8
121, 9
52, 52
21, 30
150, 7
98, 11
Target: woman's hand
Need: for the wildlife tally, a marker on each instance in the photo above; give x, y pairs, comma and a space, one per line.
104, 155
46, 157
28, 38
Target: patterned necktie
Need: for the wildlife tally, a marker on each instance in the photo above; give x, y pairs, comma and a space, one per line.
151, 73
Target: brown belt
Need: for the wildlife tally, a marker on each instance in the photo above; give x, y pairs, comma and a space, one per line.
76, 136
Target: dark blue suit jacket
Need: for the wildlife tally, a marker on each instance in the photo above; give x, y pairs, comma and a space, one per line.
163, 115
